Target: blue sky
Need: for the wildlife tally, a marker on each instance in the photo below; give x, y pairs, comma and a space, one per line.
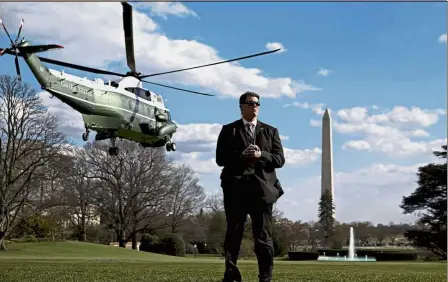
387, 77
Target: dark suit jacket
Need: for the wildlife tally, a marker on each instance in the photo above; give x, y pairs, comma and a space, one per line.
232, 142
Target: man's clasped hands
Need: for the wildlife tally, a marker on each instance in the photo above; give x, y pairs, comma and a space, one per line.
252, 152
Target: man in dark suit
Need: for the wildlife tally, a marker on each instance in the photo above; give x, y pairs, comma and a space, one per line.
250, 151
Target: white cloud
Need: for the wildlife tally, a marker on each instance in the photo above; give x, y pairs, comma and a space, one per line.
442, 38
199, 132
390, 132
414, 116
199, 162
70, 121
324, 72
98, 40
163, 9
275, 45
301, 157
282, 137
355, 114
316, 108
418, 133
315, 123
372, 193
361, 145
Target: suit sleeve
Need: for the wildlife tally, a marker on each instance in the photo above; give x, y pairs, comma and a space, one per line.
224, 155
275, 158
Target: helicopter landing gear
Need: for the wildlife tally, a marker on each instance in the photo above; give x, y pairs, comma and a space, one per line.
85, 135
171, 146
113, 151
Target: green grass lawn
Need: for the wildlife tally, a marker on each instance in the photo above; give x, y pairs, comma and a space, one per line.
75, 261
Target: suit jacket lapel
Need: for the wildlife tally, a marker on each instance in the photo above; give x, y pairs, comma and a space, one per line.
242, 132
259, 133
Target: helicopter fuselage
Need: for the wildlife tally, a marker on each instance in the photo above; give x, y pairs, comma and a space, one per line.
112, 109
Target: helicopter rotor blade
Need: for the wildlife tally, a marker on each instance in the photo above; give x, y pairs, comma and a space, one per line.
20, 30
128, 35
207, 65
3, 51
18, 68
7, 33
180, 89
83, 68
39, 48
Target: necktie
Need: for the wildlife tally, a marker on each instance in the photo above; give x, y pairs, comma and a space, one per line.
250, 133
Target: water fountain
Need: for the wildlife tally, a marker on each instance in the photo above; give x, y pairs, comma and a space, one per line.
351, 253
351, 245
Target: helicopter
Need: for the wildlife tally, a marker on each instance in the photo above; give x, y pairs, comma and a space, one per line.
114, 109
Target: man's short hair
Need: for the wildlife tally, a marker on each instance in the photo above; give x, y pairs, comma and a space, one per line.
247, 94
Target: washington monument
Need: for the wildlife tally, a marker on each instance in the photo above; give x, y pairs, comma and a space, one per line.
327, 155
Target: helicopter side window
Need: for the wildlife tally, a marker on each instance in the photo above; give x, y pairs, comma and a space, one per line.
140, 93
130, 89
148, 95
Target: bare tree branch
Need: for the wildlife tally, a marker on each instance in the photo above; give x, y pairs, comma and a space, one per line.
29, 140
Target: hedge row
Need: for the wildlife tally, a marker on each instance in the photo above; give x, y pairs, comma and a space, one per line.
379, 255
294, 255
170, 244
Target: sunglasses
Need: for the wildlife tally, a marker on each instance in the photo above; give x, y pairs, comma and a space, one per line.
252, 103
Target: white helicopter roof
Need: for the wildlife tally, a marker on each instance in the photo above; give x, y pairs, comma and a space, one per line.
132, 82
123, 84
129, 81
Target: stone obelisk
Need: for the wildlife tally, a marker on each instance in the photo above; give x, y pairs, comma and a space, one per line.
327, 155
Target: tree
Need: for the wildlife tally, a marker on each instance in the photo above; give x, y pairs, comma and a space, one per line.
215, 202
78, 196
132, 189
186, 195
29, 141
363, 231
282, 235
216, 231
326, 216
429, 199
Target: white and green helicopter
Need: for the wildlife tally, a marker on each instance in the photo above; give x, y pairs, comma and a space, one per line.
113, 109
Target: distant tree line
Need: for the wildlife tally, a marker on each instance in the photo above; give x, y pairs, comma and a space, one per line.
50, 190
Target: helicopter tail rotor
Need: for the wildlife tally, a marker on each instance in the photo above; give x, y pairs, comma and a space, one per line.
17, 48
14, 47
